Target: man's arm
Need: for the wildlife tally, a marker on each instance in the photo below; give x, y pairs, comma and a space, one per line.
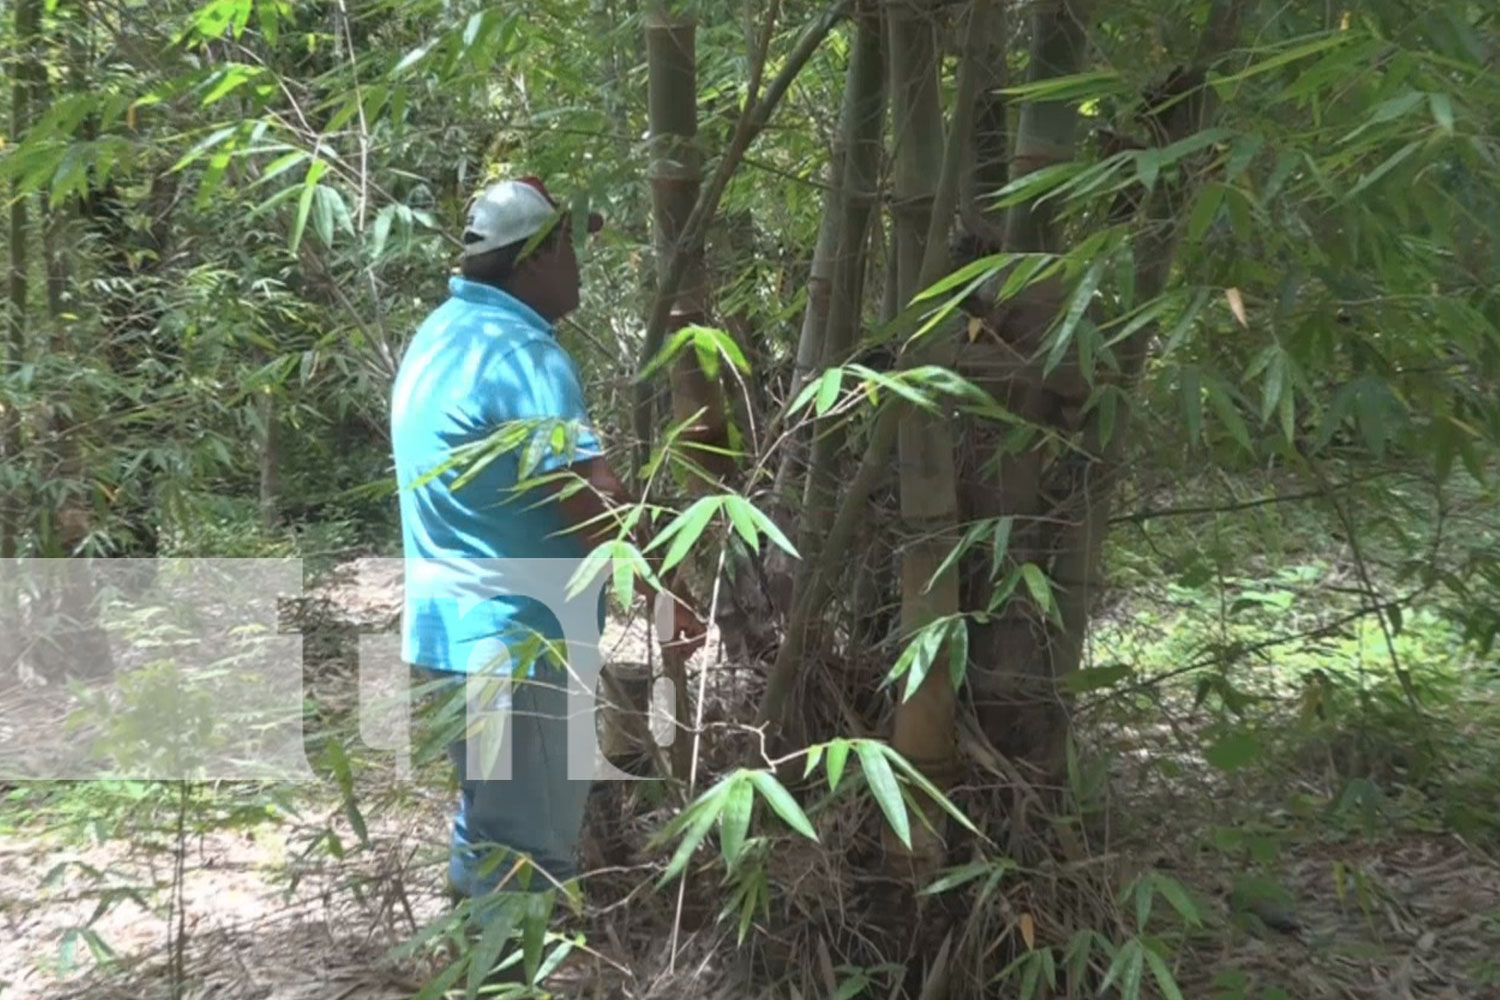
588, 513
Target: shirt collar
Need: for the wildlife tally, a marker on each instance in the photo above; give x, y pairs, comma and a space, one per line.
488, 295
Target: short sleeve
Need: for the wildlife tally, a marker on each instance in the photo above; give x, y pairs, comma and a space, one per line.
537, 382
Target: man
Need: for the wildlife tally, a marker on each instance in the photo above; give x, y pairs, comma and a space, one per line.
484, 360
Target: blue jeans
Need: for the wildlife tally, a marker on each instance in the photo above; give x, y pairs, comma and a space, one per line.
537, 811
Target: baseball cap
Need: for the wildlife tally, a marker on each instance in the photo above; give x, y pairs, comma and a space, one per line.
510, 211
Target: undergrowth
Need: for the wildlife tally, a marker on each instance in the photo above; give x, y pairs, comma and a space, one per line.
1257, 701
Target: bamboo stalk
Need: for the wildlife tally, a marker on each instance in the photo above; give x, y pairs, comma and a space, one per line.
1078, 567
926, 181
675, 176
752, 121
1044, 133
24, 82
866, 99
821, 572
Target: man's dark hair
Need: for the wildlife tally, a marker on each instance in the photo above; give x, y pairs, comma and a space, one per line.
495, 267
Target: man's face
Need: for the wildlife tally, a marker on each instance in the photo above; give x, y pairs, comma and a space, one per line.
553, 276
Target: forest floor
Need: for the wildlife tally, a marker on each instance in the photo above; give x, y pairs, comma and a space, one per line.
270, 909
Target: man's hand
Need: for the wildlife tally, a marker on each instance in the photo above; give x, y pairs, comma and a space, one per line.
588, 512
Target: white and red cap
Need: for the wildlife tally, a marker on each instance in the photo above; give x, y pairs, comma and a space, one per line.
510, 211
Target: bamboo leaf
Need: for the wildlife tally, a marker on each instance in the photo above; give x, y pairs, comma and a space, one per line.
1291, 55
782, 802
975, 532
927, 788
231, 78
965, 874
1143, 900
958, 650
1036, 184
882, 782
918, 657
713, 343
1007, 587
838, 755
982, 269
1224, 406
1390, 164
1205, 208
1127, 968
1442, 111
1000, 543
214, 138
1275, 384
1082, 296
382, 231
742, 517
305, 204
686, 529
323, 213
673, 347
534, 931
814, 758
703, 818
770, 530
1387, 111
1163, 975
1192, 402
1038, 585
280, 165
1173, 892
1185, 322
1074, 86
1242, 153
1288, 416
1107, 404
734, 824
828, 390
499, 928
809, 391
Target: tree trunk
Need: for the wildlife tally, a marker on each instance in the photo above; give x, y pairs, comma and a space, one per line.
675, 178
24, 81
926, 190
675, 270
1044, 134
1084, 524
859, 192
814, 320
1016, 696
1061, 507
986, 167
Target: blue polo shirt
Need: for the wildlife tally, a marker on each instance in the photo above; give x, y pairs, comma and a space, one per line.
485, 377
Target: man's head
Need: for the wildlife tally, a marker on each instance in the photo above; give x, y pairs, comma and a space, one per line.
520, 240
